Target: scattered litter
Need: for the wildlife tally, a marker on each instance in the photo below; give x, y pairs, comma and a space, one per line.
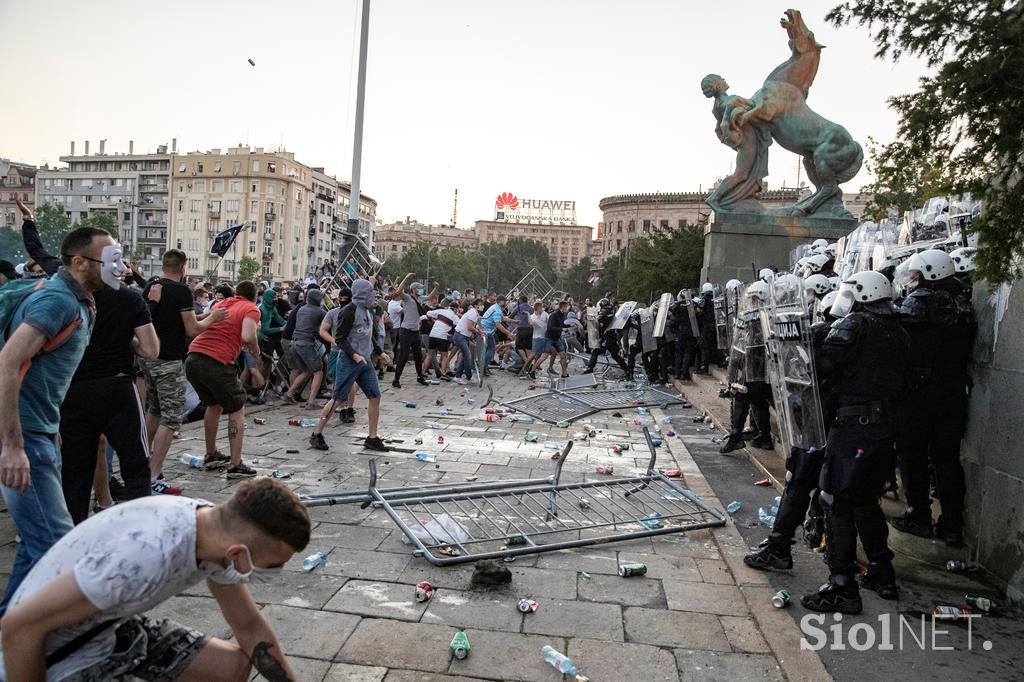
766, 519
434, 382
652, 521
559, 661
520, 418
515, 539
630, 570
426, 457
673, 473
579, 435
448, 551
717, 439
459, 648
616, 414
465, 392
418, 441
260, 420
251, 62
433, 425
527, 605
277, 473
410, 404
440, 440
617, 449
584, 503
424, 591
983, 604
606, 469
666, 420
562, 424
472, 477
699, 418
734, 506
530, 437
314, 560
642, 410
306, 423
490, 417
585, 575
190, 460
960, 566
439, 402
763, 481
952, 613
670, 433
554, 445
657, 442
291, 452
780, 599
442, 528
471, 401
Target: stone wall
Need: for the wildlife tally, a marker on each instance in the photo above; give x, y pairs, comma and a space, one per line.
995, 432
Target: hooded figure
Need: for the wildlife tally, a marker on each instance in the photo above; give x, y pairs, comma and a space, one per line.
360, 338
271, 322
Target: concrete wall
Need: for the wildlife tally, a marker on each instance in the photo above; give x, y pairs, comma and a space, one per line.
995, 432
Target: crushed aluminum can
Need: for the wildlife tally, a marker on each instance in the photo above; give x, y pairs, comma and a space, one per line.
780, 599
527, 605
585, 575
418, 441
460, 647
951, 613
606, 469
617, 449
584, 503
630, 570
515, 539
260, 420
448, 551
277, 473
440, 440
763, 481
424, 591
472, 477
673, 473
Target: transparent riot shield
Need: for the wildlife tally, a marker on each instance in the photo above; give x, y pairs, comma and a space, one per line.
622, 315
661, 318
721, 319
648, 342
746, 353
789, 356
686, 296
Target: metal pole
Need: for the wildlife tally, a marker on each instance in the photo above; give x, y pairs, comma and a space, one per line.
357, 144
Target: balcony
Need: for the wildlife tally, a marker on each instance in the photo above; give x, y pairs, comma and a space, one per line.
267, 257
325, 197
270, 217
152, 222
215, 212
152, 187
312, 231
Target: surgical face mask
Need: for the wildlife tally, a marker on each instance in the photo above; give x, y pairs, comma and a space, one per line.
231, 575
112, 267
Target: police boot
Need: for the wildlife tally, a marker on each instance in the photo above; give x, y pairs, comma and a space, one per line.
770, 555
763, 442
838, 595
814, 531
913, 523
881, 578
732, 443
949, 530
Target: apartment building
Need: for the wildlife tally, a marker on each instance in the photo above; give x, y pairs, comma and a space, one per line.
17, 180
394, 239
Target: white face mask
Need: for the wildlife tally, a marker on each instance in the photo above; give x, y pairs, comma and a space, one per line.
231, 575
112, 267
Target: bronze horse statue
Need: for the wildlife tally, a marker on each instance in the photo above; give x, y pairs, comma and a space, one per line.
830, 155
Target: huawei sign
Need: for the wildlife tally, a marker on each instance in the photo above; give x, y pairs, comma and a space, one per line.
506, 201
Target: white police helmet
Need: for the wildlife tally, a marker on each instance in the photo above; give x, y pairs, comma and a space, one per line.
733, 284
706, 288
933, 264
819, 284
963, 259
826, 303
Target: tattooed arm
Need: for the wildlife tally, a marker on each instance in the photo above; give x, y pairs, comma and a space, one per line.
254, 634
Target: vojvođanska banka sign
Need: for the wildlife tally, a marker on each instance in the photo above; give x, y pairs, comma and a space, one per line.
510, 208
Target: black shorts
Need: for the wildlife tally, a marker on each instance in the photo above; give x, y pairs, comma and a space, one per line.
441, 345
524, 339
500, 336
215, 382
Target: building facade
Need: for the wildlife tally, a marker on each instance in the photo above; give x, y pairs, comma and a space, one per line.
567, 244
134, 188
394, 239
323, 219
17, 180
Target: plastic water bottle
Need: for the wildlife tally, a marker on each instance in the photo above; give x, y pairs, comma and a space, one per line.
314, 560
426, 457
433, 425
666, 420
444, 411
552, 445
311, 421
652, 521
734, 506
559, 661
190, 460
775, 505
766, 519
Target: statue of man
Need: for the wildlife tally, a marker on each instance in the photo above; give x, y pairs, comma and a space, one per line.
751, 141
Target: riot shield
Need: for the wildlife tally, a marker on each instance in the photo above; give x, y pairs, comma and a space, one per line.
746, 353
789, 356
721, 319
647, 330
661, 319
622, 315
686, 296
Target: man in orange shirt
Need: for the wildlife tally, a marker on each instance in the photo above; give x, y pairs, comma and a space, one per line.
210, 368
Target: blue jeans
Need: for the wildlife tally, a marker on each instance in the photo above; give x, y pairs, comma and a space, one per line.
40, 513
489, 353
347, 372
466, 362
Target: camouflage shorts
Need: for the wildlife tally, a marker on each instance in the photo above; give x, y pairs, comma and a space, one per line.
165, 390
147, 649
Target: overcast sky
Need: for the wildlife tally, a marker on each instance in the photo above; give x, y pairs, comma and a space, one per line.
547, 99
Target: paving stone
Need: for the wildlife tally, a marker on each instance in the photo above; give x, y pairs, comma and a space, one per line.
664, 566
348, 535
538, 582
481, 610
633, 591
584, 559
697, 544
418, 676
345, 672
501, 472
309, 633
675, 629
381, 600
506, 656
575, 619
392, 643
200, 613
359, 563
304, 590
744, 635
715, 572
724, 600
456, 576
628, 661
483, 458
305, 669
709, 666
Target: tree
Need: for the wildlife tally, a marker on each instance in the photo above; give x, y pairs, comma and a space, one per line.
248, 268
899, 186
574, 281
658, 264
969, 115
12, 247
53, 225
103, 220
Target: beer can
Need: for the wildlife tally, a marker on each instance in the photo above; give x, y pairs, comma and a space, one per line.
605, 469
424, 591
515, 539
673, 473
780, 599
260, 420
293, 422
629, 570
527, 605
951, 613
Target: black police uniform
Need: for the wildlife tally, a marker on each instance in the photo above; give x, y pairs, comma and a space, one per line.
941, 324
686, 342
708, 332
609, 339
865, 355
754, 400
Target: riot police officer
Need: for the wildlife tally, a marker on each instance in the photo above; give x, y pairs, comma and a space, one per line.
865, 355
752, 395
684, 328
609, 341
941, 324
706, 324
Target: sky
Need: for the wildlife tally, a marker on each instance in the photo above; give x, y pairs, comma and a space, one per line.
546, 99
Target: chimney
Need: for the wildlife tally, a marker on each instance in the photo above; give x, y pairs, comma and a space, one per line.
72, 147
174, 145
103, 145
87, 147
131, 146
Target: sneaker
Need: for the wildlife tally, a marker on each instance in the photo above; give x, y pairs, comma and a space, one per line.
445, 377
731, 444
832, 598
884, 586
586, 371
348, 416
461, 381
312, 406
375, 444
240, 470
216, 460
256, 400
532, 375
763, 443
162, 487
422, 382
317, 442
288, 400
770, 557
920, 527
396, 384
116, 488
97, 508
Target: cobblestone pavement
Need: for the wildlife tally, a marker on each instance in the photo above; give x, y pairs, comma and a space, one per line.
698, 614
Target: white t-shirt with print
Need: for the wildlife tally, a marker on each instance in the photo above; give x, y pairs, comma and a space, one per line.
126, 561
440, 329
539, 324
470, 315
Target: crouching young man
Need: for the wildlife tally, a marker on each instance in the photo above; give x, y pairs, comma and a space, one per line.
80, 613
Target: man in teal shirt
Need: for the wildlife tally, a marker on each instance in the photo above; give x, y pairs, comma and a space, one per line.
47, 337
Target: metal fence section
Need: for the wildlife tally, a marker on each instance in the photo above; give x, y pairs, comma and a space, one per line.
552, 407
574, 383
508, 519
621, 398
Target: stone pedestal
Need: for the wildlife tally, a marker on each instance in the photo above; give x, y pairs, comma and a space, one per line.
732, 241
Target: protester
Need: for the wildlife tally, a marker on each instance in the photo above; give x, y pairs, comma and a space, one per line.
210, 368
491, 322
443, 323
306, 350
80, 614
465, 331
409, 332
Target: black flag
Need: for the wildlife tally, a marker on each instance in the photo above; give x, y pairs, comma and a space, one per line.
224, 239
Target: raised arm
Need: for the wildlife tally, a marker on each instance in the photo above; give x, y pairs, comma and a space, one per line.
33, 244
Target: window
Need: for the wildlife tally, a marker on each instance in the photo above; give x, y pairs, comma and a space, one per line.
663, 224
216, 166
193, 245
618, 244
181, 168
256, 186
199, 166
254, 207
321, 226
271, 188
234, 185
232, 205
236, 167
681, 224
86, 183
619, 227
255, 166
195, 224
214, 207
394, 247
631, 227
196, 205
181, 204
647, 225
271, 167
216, 185
270, 207
252, 245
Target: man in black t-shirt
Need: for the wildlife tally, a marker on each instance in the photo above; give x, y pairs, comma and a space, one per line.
170, 303
123, 329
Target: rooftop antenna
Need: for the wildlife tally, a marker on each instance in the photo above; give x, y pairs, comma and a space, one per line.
455, 209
